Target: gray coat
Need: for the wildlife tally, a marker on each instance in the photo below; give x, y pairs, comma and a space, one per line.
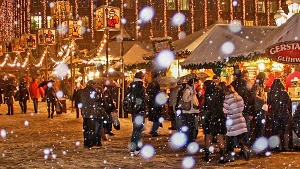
90, 101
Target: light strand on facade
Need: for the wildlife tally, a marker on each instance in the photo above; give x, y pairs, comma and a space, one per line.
268, 12
76, 9
136, 19
165, 18
44, 14
231, 10
205, 13
26, 60
14, 62
92, 19
256, 9
28, 16
244, 11
151, 22
192, 15
219, 8
42, 58
4, 61
178, 11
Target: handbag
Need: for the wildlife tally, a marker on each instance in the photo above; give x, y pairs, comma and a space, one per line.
186, 105
115, 119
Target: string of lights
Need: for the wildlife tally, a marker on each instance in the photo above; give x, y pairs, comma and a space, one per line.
165, 18
231, 10
14, 62
44, 14
76, 9
244, 11
268, 12
26, 60
192, 15
205, 13
219, 8
28, 16
4, 61
256, 9
92, 19
151, 22
178, 10
136, 19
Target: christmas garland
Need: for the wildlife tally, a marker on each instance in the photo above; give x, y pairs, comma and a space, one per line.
138, 66
178, 55
160, 40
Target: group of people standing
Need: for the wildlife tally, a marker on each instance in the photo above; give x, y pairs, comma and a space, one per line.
234, 115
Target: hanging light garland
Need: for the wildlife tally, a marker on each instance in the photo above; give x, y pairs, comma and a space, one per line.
76, 9
44, 14
99, 50
219, 8
4, 61
205, 13
92, 19
192, 15
231, 10
26, 60
244, 11
28, 16
42, 59
268, 12
256, 10
178, 10
151, 22
165, 18
136, 19
14, 62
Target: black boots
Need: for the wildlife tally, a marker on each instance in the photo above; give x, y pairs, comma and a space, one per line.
206, 155
222, 156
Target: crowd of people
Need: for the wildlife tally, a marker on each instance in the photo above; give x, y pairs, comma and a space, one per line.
231, 115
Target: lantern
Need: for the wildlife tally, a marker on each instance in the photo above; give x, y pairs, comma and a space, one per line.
107, 17
71, 29
46, 37
17, 45
29, 41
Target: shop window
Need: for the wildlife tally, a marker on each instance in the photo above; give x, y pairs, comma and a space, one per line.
250, 7
129, 3
157, 5
142, 4
83, 4
171, 5
36, 22
212, 6
273, 6
85, 21
199, 5
157, 24
36, 3
184, 4
261, 6
225, 5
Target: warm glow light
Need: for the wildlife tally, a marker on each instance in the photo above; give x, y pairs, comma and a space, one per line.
205, 13
165, 18
261, 66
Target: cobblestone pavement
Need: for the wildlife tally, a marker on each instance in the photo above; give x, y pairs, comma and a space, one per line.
34, 141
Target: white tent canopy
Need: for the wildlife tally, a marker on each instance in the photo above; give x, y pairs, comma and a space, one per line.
209, 45
135, 54
289, 31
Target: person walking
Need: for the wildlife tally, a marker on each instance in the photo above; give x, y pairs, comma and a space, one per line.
9, 96
190, 113
172, 105
93, 114
135, 103
236, 124
155, 108
23, 96
109, 108
51, 98
278, 121
214, 118
260, 99
34, 93
75, 98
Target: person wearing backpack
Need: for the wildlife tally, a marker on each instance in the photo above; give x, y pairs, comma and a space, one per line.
135, 103
190, 109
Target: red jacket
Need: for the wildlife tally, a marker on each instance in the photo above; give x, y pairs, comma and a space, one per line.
34, 90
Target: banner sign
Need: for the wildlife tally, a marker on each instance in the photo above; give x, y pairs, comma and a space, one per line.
287, 52
29, 41
46, 37
107, 17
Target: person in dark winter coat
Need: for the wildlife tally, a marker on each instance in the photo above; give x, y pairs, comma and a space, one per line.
279, 115
213, 117
136, 102
109, 108
9, 96
93, 114
243, 88
154, 108
260, 99
76, 97
236, 124
178, 114
50, 94
23, 96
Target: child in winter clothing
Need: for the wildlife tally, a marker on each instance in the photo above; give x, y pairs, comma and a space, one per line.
236, 125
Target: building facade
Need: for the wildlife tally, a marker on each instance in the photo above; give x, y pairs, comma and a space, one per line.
31, 15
